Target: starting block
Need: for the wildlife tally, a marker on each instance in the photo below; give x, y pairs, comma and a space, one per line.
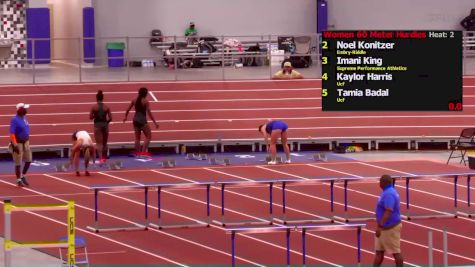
62, 167
219, 161
278, 159
197, 156
168, 163
115, 165
320, 157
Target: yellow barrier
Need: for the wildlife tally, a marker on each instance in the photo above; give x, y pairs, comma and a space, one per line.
9, 245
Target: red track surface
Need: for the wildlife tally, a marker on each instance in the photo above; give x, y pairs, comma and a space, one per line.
212, 245
221, 110
201, 111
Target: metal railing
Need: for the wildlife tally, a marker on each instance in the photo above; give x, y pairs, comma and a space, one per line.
171, 58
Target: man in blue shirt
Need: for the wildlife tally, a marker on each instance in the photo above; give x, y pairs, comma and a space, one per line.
388, 219
20, 145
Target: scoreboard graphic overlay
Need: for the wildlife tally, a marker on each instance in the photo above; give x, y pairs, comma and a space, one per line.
392, 71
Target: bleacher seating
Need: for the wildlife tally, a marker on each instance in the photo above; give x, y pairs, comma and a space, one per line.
469, 45
223, 54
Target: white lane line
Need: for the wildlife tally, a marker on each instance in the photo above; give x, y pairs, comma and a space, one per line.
261, 119
164, 82
252, 129
176, 101
103, 253
176, 110
170, 91
189, 91
315, 108
153, 96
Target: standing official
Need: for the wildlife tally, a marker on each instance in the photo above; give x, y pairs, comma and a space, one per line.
20, 143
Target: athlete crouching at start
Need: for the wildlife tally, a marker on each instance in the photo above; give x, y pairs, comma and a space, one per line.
82, 142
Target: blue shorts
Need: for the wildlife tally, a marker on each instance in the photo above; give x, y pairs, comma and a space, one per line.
276, 125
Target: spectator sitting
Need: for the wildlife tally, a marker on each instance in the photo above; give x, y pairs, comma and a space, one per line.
468, 23
190, 32
287, 73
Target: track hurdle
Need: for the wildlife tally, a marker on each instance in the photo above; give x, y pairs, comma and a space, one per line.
132, 227
223, 184
196, 223
304, 228
431, 249
138, 226
321, 219
9, 244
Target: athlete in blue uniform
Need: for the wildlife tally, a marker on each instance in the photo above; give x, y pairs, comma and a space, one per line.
273, 130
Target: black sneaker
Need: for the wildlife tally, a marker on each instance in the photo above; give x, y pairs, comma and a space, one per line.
78, 174
19, 183
23, 180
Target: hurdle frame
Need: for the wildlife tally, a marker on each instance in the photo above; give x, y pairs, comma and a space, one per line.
222, 184
271, 183
324, 219
304, 228
442, 214
469, 212
9, 244
147, 223
407, 215
197, 223
133, 227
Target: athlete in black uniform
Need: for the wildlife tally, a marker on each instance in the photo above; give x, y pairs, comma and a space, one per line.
142, 108
102, 116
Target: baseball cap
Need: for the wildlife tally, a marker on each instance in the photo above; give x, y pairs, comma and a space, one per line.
192, 23
22, 105
287, 64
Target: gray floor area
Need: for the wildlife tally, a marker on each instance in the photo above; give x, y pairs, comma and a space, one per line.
59, 72
469, 65
30, 257
439, 156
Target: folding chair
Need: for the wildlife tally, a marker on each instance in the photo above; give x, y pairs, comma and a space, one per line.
465, 142
81, 258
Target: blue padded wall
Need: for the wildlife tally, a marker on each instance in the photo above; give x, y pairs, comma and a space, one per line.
37, 26
88, 32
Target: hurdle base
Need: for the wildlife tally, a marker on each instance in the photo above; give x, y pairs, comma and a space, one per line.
286, 221
319, 158
108, 229
430, 216
467, 213
347, 219
168, 163
219, 161
241, 223
179, 226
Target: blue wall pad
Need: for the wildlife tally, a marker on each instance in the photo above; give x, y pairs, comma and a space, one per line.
88, 32
322, 19
322, 16
37, 26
